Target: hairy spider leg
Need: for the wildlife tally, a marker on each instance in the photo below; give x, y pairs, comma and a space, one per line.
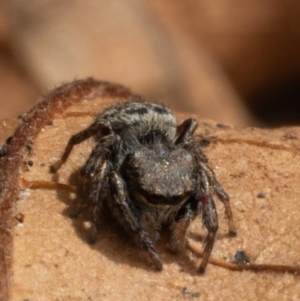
94, 179
180, 226
223, 197
209, 219
184, 130
94, 171
124, 213
96, 127
186, 214
209, 213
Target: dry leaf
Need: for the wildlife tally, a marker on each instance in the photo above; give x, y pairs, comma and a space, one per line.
51, 257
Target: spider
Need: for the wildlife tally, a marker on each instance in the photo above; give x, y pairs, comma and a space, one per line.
149, 172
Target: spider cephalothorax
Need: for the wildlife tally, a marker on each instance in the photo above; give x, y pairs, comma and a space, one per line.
149, 172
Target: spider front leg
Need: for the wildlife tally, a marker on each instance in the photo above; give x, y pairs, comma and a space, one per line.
183, 135
125, 214
223, 196
210, 221
180, 225
209, 217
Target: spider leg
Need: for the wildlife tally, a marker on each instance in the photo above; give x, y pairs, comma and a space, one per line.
222, 195
94, 180
184, 130
180, 226
95, 128
210, 221
96, 195
91, 196
125, 213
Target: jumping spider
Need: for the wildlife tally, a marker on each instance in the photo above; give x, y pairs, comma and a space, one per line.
150, 172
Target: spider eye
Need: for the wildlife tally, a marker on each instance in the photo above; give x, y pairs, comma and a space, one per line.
176, 198
156, 198
159, 199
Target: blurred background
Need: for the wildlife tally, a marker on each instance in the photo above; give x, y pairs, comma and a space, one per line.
237, 62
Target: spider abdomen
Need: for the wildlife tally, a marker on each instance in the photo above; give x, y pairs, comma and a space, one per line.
135, 120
